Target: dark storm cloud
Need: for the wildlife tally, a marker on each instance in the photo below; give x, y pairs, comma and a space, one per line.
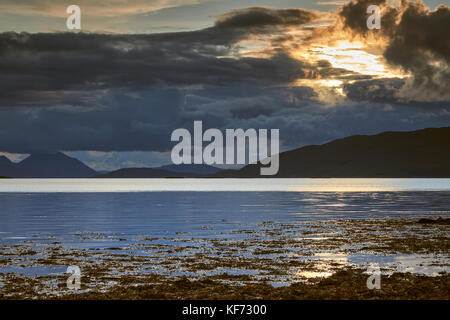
134, 90
145, 120
421, 45
375, 90
258, 17
138, 88
139, 122
354, 15
417, 41
387, 91
48, 69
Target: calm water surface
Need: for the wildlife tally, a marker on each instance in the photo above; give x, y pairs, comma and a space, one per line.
61, 209
204, 185
137, 206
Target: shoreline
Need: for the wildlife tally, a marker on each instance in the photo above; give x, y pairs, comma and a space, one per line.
309, 260
347, 284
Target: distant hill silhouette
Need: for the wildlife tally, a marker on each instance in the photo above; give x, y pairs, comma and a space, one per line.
8, 168
145, 173
191, 168
4, 161
56, 165
169, 171
418, 154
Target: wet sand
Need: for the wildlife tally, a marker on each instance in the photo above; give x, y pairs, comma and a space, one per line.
304, 260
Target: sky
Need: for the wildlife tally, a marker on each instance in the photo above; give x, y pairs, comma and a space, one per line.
112, 93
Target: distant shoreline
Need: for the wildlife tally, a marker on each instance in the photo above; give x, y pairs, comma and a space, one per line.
415, 154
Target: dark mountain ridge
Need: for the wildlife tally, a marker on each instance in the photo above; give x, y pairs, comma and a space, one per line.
145, 173
55, 165
191, 168
417, 154
4, 161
